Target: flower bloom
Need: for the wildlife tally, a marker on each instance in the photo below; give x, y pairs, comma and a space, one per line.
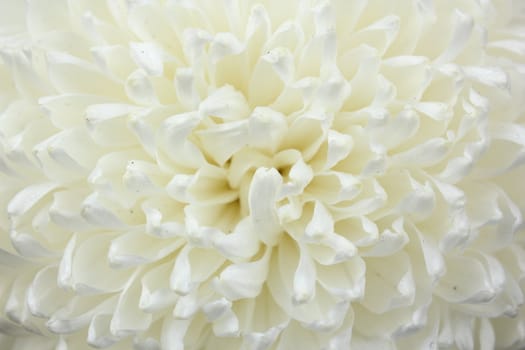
282, 174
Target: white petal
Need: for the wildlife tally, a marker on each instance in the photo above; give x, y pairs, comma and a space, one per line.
97, 214
243, 162
282, 62
70, 75
227, 325
44, 297
78, 313
425, 154
299, 177
466, 281
24, 200
65, 210
178, 187
389, 283
262, 197
334, 187
128, 318
102, 121
379, 34
187, 306
67, 110
136, 248
99, 334
420, 202
156, 293
339, 146
216, 309
267, 128
173, 332
16, 308
241, 244
434, 261
269, 72
154, 224
192, 267
139, 88
294, 336
395, 130
372, 197
490, 76
90, 270
174, 135
262, 341
487, 335
148, 56
436, 110
180, 278
13, 17
463, 24
332, 249
304, 278
113, 60
243, 280
321, 225
224, 140
225, 103
224, 44
361, 230
345, 280
186, 88
258, 22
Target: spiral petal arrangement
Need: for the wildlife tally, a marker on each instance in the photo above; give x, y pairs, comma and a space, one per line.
240, 174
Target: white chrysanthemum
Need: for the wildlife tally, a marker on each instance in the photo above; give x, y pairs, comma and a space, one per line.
273, 174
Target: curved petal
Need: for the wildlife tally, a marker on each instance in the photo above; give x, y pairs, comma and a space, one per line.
243, 280
262, 197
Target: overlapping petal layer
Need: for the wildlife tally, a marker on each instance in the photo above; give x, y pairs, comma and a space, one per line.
268, 174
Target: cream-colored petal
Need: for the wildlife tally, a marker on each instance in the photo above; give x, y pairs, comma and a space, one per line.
243, 280
263, 194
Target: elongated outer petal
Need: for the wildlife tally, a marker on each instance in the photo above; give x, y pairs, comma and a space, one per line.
28, 197
78, 313
129, 249
128, 318
86, 273
44, 297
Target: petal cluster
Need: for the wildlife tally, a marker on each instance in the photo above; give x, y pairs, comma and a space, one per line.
303, 174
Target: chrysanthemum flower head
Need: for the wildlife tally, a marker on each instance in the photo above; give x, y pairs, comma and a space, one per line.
237, 174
